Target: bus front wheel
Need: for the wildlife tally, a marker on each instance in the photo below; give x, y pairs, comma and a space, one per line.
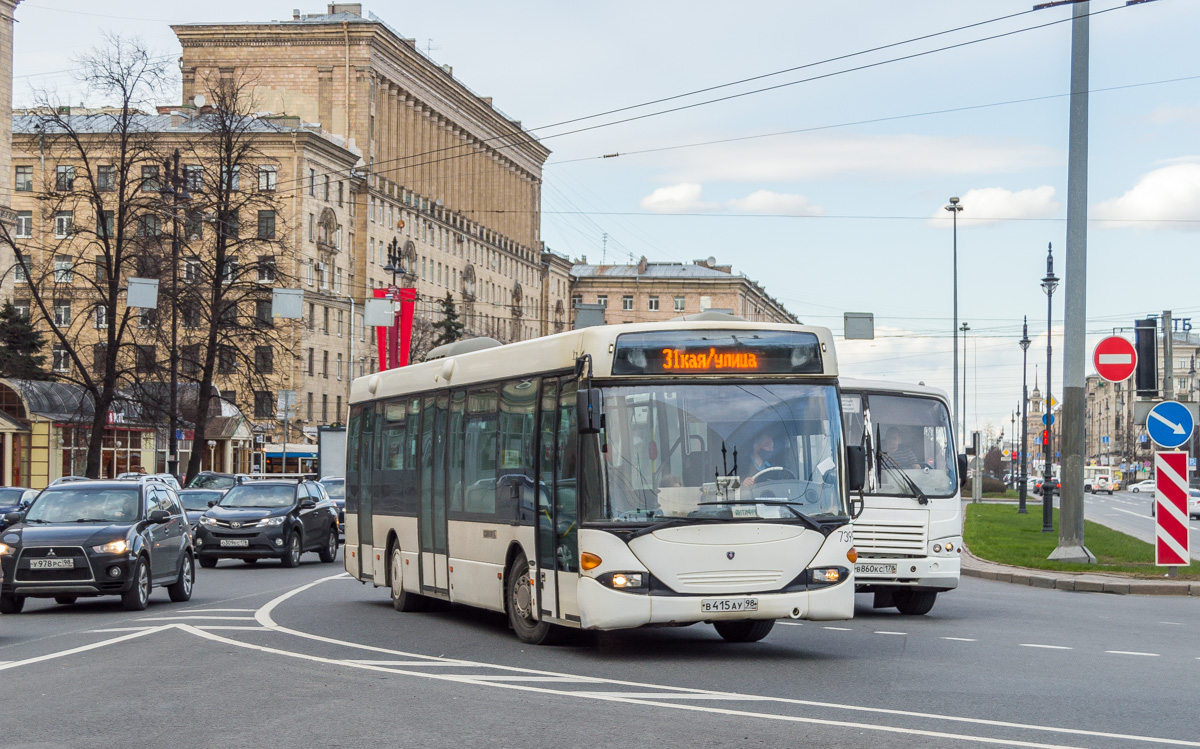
402, 600
519, 596
744, 630
914, 602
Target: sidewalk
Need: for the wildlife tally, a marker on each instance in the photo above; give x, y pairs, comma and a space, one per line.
1083, 582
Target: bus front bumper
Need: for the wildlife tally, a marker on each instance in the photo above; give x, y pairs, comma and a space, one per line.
928, 573
601, 607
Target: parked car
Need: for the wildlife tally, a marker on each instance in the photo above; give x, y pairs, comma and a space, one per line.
1056, 488
335, 486
197, 501
1142, 486
98, 538
68, 479
14, 499
269, 520
214, 480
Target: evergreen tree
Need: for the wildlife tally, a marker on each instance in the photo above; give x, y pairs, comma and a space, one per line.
449, 329
20, 344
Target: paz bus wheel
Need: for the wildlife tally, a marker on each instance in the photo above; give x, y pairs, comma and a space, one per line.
744, 630
914, 602
519, 599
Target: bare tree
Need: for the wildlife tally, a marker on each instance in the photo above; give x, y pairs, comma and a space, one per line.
100, 224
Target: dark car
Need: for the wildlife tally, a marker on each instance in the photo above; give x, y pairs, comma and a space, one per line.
269, 520
197, 501
335, 487
1055, 488
98, 538
14, 499
214, 480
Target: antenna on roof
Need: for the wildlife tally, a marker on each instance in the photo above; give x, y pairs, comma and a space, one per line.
429, 48
604, 248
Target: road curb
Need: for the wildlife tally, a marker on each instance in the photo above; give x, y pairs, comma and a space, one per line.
1078, 582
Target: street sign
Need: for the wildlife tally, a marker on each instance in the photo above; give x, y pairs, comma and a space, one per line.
1048, 419
1115, 359
1191, 462
1104, 440
1143, 438
1171, 517
1124, 466
1170, 424
1053, 402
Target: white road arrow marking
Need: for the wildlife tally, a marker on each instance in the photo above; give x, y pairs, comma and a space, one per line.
1177, 428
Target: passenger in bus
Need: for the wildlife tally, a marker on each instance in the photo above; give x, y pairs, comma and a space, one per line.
895, 448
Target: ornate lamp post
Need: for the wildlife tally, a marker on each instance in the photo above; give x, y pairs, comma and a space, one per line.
174, 189
1024, 480
955, 209
1049, 284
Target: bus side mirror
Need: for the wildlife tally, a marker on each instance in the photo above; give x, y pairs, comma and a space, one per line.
587, 403
962, 470
856, 468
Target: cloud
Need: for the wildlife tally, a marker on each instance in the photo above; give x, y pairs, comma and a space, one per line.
812, 157
1162, 199
1168, 115
765, 201
683, 198
989, 205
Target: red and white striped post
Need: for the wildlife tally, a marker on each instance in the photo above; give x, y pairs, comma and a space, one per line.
1171, 515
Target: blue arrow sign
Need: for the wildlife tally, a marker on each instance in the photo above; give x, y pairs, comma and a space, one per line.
1170, 424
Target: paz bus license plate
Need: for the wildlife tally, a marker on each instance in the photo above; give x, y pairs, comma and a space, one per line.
728, 604
51, 564
235, 542
874, 569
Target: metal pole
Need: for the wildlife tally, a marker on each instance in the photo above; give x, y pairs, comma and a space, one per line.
1070, 527
173, 419
1048, 473
954, 209
1023, 488
964, 328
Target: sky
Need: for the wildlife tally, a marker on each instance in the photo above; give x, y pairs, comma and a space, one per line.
828, 190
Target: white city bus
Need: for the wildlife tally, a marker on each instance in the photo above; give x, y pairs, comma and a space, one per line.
909, 535
610, 477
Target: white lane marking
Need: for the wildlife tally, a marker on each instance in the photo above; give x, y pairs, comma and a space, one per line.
1045, 647
1130, 652
1177, 624
202, 610
177, 618
881, 632
255, 628
406, 663
126, 629
650, 701
675, 696
1131, 512
791, 624
961, 639
264, 615
490, 678
81, 648
838, 629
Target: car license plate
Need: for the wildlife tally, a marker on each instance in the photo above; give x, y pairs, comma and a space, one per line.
728, 604
874, 569
235, 542
51, 564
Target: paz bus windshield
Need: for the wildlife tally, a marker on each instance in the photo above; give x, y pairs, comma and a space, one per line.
718, 451
909, 441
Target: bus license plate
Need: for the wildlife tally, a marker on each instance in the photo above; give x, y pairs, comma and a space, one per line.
51, 564
728, 604
874, 569
235, 542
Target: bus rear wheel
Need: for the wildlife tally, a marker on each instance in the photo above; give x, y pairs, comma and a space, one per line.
402, 600
914, 602
519, 596
744, 630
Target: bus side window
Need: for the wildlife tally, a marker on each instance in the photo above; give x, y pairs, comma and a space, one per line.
367, 458
546, 452
458, 404
391, 455
405, 486
565, 484
518, 406
354, 471
479, 465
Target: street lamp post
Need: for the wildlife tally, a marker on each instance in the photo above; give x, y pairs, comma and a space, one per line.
1049, 284
1024, 418
963, 329
174, 188
955, 209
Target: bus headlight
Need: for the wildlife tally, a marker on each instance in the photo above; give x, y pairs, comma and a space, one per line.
625, 580
820, 576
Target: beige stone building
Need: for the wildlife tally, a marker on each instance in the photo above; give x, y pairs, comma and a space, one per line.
7, 8
307, 237
453, 185
649, 292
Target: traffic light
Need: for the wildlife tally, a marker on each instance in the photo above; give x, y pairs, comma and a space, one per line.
1045, 436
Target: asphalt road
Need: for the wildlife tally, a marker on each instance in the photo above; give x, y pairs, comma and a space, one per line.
310, 658
1130, 513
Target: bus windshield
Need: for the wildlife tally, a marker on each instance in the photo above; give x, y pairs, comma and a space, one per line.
718, 451
910, 439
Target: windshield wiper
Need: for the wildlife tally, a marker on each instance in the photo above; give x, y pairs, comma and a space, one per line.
772, 502
34, 520
92, 520
890, 464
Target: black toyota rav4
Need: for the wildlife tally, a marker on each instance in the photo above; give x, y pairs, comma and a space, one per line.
97, 538
269, 519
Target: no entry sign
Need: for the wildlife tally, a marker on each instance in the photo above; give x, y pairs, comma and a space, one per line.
1115, 359
1171, 515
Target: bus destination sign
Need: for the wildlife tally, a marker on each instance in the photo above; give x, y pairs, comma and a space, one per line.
699, 352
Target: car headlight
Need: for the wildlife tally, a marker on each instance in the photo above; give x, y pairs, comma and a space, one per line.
6, 549
270, 521
205, 520
119, 546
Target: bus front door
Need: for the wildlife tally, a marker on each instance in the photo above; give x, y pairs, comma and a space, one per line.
547, 578
435, 576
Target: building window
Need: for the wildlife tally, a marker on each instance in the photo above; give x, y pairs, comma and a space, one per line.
106, 178
226, 359
190, 312
149, 179
266, 269
21, 273
326, 188
60, 359
339, 366
679, 304
576, 300
337, 412
371, 250
64, 224
705, 303
339, 324
24, 179
266, 224
191, 270
311, 359
147, 318
144, 359
341, 192
193, 224
312, 182
24, 228
231, 270
324, 408
64, 178
264, 405
231, 178
262, 313
371, 209
312, 227
652, 304
105, 228
264, 359
63, 272
602, 300
325, 364
62, 313
266, 178
101, 317
627, 303
149, 225
310, 276
194, 176
337, 281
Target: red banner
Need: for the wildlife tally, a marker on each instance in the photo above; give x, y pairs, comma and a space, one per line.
408, 300
395, 342
381, 334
